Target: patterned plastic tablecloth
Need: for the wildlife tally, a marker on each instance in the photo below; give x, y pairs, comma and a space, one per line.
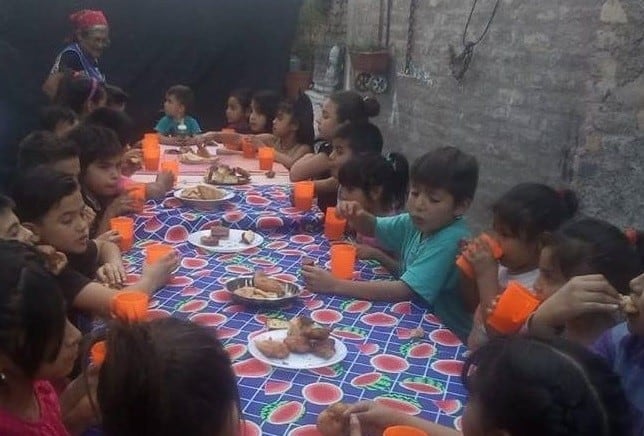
384, 363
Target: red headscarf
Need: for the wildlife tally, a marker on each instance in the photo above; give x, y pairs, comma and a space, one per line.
87, 18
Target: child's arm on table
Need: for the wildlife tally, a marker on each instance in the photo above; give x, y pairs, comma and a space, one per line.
367, 252
360, 220
374, 419
121, 205
158, 189
289, 160
309, 167
96, 298
111, 270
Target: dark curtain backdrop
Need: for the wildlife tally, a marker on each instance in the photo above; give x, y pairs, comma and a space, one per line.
213, 46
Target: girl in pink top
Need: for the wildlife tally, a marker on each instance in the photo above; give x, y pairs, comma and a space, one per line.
379, 184
37, 343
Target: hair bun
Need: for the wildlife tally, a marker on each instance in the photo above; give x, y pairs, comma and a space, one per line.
371, 107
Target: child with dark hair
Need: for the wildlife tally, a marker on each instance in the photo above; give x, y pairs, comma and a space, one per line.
238, 110
341, 107
176, 123
190, 388
118, 121
10, 227
58, 119
37, 344
45, 148
523, 386
81, 94
379, 184
426, 239
520, 218
55, 216
584, 267
263, 108
116, 98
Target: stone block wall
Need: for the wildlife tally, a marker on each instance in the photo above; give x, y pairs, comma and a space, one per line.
554, 94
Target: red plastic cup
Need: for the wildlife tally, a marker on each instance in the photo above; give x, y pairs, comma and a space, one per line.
248, 150
403, 430
125, 228
97, 353
343, 260
130, 306
466, 268
266, 157
155, 252
512, 310
303, 195
333, 226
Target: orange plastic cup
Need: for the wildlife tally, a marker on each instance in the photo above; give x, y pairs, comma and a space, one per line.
151, 138
172, 166
151, 157
333, 226
154, 252
303, 195
465, 265
343, 260
248, 151
266, 157
136, 191
97, 353
403, 430
125, 228
130, 305
513, 308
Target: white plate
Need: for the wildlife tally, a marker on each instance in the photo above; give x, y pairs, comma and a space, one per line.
295, 361
232, 244
203, 204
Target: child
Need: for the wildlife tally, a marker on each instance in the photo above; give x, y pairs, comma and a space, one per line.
623, 348
101, 179
583, 269
339, 108
81, 94
293, 130
521, 217
426, 239
190, 387
10, 227
45, 148
238, 110
58, 119
37, 344
263, 108
116, 98
55, 216
522, 386
176, 123
379, 184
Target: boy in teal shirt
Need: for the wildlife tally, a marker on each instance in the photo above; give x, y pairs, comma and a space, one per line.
426, 238
175, 123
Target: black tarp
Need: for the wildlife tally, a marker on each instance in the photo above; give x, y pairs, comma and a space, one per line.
211, 45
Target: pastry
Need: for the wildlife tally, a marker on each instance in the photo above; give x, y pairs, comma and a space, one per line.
209, 240
297, 344
276, 324
333, 422
308, 261
267, 284
248, 237
219, 232
202, 192
324, 348
272, 349
628, 305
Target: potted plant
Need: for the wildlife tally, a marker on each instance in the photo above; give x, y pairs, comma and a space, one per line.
371, 64
310, 28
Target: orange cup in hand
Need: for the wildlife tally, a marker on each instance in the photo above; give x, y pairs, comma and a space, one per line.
266, 157
403, 430
136, 191
333, 226
124, 226
303, 195
512, 310
171, 166
97, 353
130, 306
155, 252
248, 150
343, 260
467, 268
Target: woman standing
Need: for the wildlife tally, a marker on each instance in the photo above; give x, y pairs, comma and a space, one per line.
90, 38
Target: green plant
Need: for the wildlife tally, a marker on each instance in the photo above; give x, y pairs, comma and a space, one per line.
310, 28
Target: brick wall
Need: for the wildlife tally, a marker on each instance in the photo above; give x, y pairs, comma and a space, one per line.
552, 95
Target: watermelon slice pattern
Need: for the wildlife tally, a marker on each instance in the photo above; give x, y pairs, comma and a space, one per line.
384, 363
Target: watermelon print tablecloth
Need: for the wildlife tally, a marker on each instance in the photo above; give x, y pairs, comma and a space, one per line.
418, 376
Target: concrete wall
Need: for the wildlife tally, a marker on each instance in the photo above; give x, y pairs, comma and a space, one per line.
552, 94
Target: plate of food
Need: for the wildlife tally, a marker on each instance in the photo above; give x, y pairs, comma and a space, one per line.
202, 156
303, 345
225, 175
262, 290
203, 196
220, 239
